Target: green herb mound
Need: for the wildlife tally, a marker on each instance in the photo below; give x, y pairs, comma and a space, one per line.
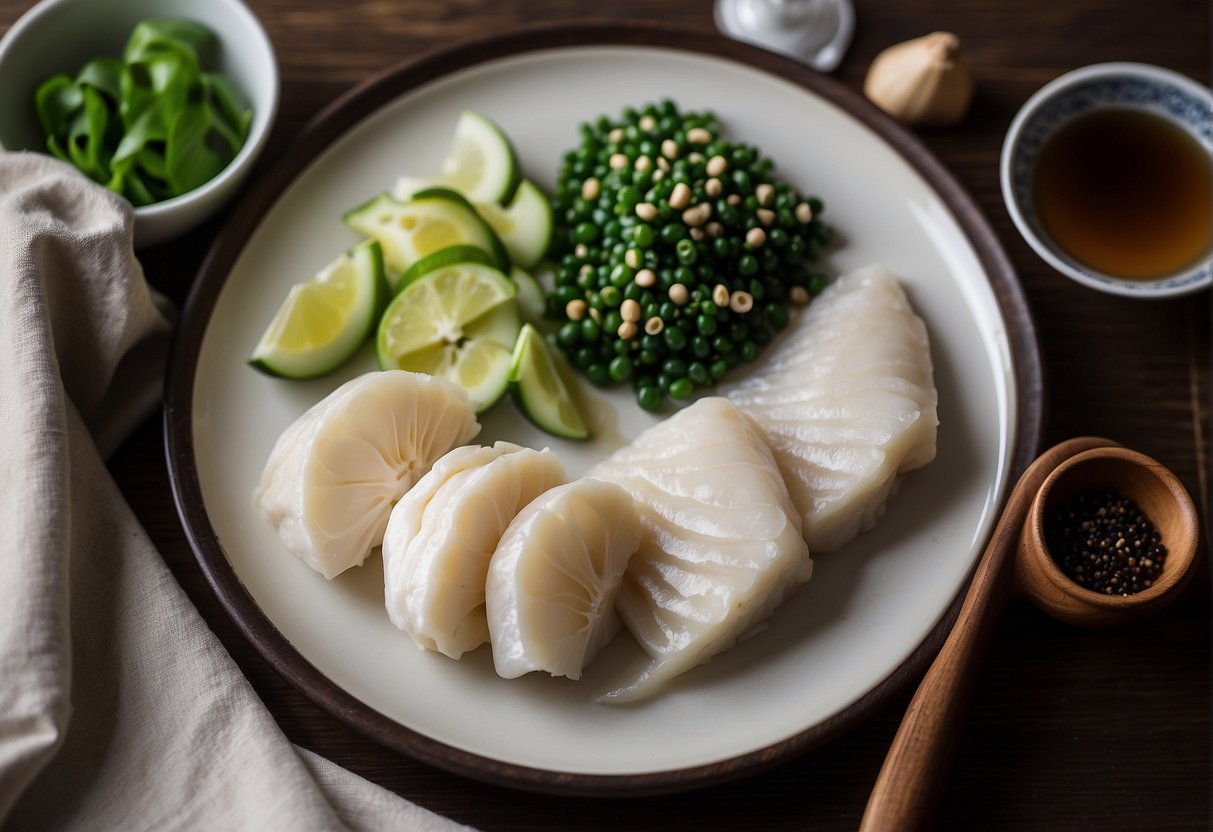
153, 125
679, 253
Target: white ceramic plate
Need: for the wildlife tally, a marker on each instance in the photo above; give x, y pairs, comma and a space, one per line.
868, 607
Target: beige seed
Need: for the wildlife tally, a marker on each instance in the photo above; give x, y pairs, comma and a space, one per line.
713, 188
697, 234
716, 166
659, 174
627, 330
581, 250
695, 157
697, 215
596, 315
720, 295
804, 213
734, 199
698, 135
590, 188
629, 310
798, 295
632, 258
647, 123
679, 294
765, 215
615, 136
741, 302
574, 310
669, 149
645, 278
653, 326
714, 229
647, 211
618, 161
765, 193
756, 237
644, 164
662, 165
681, 196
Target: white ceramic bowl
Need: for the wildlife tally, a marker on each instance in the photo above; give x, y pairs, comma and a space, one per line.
1153, 89
62, 35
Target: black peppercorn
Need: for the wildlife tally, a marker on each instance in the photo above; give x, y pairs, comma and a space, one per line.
1103, 541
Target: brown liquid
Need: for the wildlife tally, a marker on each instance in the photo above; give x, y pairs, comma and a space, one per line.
1126, 193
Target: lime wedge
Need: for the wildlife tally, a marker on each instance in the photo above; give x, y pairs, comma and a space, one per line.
324, 320
540, 391
458, 322
480, 164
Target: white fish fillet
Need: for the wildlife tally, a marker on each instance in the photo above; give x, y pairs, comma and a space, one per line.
721, 546
847, 400
552, 583
442, 534
335, 473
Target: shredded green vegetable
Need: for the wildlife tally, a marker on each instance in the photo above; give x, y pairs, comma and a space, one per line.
153, 125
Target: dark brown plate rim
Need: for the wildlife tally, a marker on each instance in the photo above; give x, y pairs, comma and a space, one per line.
361, 102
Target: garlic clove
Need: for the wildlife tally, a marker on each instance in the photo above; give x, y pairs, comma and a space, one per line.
924, 81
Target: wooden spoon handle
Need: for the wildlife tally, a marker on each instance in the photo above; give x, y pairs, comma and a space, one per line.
908, 787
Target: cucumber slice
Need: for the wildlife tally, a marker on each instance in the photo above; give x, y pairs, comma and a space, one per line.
480, 164
524, 226
325, 320
409, 231
530, 296
458, 322
540, 391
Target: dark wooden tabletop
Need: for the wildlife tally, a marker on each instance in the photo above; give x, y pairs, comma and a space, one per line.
1069, 729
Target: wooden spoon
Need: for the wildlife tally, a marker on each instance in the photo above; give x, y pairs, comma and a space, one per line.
911, 779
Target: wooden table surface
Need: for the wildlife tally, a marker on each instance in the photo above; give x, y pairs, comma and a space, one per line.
1069, 729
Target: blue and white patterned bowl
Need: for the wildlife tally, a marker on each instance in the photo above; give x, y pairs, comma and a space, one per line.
1152, 89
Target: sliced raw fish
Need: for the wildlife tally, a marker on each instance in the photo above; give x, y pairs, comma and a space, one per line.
721, 545
335, 473
443, 533
847, 401
554, 578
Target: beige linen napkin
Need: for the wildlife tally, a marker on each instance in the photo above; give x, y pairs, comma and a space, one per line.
119, 709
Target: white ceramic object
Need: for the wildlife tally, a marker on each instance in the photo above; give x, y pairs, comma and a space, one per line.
815, 32
1160, 92
62, 35
868, 606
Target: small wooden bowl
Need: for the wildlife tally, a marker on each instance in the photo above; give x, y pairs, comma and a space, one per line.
1155, 490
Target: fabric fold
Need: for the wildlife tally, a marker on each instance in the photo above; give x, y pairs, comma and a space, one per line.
119, 709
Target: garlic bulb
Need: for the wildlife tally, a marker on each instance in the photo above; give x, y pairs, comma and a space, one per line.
923, 81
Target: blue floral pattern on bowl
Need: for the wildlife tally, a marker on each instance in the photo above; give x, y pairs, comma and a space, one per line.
1151, 93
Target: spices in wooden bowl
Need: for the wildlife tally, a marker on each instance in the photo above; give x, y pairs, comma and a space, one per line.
1118, 478
1103, 541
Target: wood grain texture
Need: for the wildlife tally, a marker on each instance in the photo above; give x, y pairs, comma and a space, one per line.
1069, 729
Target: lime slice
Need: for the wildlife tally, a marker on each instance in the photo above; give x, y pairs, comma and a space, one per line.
540, 391
524, 226
494, 245
324, 320
459, 323
480, 164
442, 258
431, 221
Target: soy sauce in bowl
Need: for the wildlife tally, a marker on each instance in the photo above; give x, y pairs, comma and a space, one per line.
1126, 193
